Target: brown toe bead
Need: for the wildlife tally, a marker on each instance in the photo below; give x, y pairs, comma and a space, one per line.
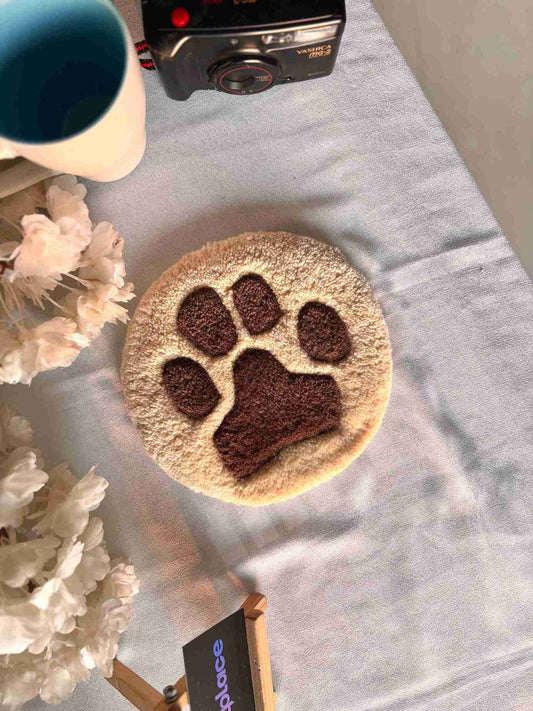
206, 322
190, 387
322, 333
256, 303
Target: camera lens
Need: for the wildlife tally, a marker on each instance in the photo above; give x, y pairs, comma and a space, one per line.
244, 74
239, 79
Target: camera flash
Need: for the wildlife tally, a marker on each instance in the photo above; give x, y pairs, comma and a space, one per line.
306, 36
316, 34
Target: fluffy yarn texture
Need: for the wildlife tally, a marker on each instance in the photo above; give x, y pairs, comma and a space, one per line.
298, 269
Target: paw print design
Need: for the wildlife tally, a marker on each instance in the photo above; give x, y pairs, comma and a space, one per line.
273, 407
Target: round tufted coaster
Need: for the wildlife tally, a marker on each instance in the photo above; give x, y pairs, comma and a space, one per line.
257, 367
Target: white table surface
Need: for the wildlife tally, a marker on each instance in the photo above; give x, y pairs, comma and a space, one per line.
406, 582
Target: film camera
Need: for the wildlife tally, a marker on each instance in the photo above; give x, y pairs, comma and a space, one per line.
241, 46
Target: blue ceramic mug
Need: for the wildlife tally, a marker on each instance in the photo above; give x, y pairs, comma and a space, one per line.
71, 92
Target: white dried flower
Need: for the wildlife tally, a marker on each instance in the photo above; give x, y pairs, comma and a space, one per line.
54, 344
48, 248
10, 356
65, 202
93, 534
19, 684
98, 306
20, 478
67, 653
63, 605
102, 260
121, 581
60, 609
71, 516
93, 567
29, 351
68, 558
50, 252
21, 562
60, 482
57, 684
94, 564
107, 617
21, 623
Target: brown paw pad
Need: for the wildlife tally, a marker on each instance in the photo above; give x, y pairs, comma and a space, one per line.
322, 333
190, 387
256, 303
273, 408
206, 322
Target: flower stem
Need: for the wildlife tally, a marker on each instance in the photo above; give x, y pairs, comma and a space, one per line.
18, 304
49, 298
81, 281
70, 288
6, 310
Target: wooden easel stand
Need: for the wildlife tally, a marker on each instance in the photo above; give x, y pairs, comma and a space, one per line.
146, 698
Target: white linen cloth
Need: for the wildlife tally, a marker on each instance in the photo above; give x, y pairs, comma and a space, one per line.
406, 583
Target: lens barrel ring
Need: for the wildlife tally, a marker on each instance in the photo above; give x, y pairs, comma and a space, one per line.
244, 74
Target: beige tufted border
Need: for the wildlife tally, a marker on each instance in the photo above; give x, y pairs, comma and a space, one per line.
298, 269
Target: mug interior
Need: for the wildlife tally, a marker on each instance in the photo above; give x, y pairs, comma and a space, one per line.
62, 63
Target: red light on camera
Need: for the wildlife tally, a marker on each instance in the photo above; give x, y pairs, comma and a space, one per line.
180, 17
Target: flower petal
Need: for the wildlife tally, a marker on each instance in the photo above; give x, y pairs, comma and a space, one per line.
22, 561
93, 534
57, 686
18, 685
20, 625
49, 247
50, 345
10, 357
68, 558
19, 481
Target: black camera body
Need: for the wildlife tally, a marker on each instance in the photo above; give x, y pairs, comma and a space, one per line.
241, 46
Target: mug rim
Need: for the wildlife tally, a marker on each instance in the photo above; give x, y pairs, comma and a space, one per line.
126, 39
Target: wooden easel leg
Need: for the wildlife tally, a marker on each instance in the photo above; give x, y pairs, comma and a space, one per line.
142, 695
254, 614
182, 699
135, 689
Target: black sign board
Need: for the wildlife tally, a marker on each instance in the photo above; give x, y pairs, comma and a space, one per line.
217, 667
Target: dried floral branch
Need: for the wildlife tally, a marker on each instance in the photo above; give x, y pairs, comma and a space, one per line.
61, 244
63, 602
